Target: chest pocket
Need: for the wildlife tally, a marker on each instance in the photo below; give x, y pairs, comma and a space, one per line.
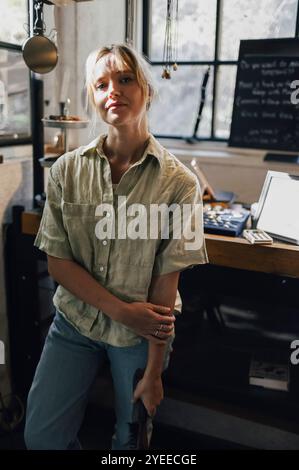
79, 221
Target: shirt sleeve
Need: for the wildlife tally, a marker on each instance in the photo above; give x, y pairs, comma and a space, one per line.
185, 247
52, 236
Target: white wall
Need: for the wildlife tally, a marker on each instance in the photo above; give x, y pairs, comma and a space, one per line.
242, 171
81, 28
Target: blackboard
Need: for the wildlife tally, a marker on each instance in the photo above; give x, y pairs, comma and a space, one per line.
263, 115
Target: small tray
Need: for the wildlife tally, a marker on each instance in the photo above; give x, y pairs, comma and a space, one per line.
65, 124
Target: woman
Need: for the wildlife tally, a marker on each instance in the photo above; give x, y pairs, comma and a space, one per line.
117, 290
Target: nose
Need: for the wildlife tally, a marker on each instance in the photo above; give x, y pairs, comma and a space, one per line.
113, 89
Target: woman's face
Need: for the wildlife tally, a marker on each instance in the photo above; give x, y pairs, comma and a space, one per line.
117, 94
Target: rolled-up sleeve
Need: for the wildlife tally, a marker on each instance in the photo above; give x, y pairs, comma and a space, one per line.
181, 252
52, 236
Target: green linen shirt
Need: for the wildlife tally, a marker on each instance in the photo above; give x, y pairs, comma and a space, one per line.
78, 182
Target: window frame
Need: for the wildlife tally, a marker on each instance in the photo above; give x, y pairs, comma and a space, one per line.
20, 140
216, 63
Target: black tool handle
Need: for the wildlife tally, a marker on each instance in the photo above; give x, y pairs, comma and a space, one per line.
141, 415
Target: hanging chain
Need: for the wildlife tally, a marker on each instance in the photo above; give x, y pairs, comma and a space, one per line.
131, 22
39, 25
170, 50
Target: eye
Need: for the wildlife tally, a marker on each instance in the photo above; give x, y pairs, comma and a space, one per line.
100, 86
126, 79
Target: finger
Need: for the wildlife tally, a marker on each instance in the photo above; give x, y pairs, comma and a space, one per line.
151, 412
136, 395
165, 336
165, 319
162, 334
164, 328
151, 409
161, 309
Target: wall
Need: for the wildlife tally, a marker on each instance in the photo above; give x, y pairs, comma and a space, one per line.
81, 28
242, 171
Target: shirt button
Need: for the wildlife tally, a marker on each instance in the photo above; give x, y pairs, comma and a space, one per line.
105, 242
101, 268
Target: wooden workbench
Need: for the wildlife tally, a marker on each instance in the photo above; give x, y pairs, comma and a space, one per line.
232, 252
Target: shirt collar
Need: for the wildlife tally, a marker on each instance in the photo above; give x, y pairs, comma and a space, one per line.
153, 148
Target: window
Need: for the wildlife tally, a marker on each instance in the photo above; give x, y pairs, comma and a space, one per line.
15, 125
209, 35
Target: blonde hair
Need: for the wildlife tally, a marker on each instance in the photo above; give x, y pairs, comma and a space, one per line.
125, 58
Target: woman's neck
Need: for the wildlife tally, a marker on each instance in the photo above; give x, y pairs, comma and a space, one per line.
125, 146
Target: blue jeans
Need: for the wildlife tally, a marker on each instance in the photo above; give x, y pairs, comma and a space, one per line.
59, 393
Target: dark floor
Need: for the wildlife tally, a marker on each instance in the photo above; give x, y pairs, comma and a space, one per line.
97, 430
164, 437
98, 426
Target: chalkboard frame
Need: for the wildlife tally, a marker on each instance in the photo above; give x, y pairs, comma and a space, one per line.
258, 48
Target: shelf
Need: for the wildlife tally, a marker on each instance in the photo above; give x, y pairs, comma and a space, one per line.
65, 124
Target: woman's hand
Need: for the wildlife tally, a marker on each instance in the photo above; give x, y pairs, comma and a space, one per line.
150, 391
153, 322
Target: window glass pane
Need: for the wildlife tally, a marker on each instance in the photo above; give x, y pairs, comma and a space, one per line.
175, 109
13, 21
14, 96
256, 19
196, 29
226, 78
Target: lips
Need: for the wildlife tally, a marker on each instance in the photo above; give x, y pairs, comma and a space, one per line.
115, 104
